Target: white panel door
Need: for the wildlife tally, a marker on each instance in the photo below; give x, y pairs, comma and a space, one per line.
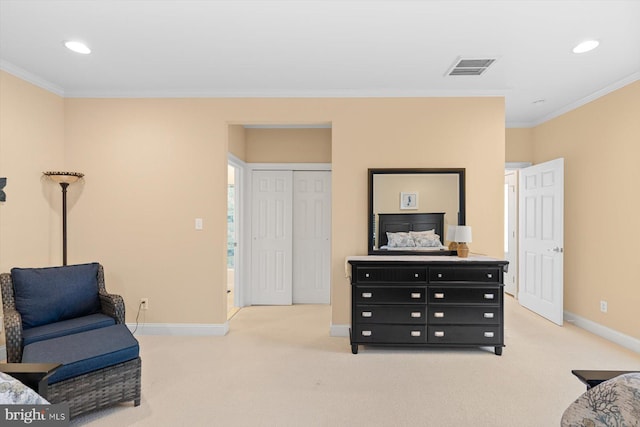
311, 237
271, 244
542, 239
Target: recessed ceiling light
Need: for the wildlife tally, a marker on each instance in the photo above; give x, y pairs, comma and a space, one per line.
77, 47
586, 46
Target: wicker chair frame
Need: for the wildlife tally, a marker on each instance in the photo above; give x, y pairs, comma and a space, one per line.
90, 391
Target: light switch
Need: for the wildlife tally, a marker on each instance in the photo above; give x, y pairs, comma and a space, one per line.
198, 223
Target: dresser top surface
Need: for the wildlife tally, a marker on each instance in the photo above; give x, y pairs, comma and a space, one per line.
426, 259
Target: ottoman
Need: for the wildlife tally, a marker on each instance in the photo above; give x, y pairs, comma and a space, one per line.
100, 367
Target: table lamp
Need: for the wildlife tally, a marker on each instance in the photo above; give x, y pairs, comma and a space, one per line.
451, 237
463, 236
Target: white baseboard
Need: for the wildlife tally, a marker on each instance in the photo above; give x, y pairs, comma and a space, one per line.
602, 331
189, 329
186, 329
339, 330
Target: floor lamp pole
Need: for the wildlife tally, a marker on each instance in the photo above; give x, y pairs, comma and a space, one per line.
64, 186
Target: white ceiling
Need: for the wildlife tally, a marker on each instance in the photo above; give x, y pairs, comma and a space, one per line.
330, 48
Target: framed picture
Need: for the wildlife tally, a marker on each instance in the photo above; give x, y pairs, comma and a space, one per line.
408, 200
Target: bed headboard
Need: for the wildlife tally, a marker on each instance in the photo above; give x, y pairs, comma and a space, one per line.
409, 222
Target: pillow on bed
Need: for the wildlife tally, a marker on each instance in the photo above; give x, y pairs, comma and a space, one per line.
400, 240
415, 234
427, 241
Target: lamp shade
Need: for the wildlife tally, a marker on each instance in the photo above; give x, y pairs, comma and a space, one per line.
451, 233
463, 234
64, 177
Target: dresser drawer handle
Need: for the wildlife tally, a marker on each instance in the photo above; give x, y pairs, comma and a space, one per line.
488, 315
366, 314
488, 334
416, 314
439, 275
415, 295
438, 314
489, 276
439, 334
439, 295
367, 295
489, 296
416, 333
366, 333
366, 275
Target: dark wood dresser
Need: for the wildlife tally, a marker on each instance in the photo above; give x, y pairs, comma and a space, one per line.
439, 301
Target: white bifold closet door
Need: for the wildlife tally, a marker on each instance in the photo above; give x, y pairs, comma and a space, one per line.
291, 229
311, 237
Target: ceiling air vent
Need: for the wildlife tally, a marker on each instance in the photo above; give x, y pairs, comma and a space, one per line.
470, 67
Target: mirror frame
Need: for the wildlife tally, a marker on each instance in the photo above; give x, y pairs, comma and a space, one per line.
427, 171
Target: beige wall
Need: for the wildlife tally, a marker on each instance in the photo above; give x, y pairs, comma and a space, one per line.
31, 142
153, 165
237, 142
288, 145
519, 145
600, 143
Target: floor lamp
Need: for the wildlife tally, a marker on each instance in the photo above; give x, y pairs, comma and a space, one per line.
64, 179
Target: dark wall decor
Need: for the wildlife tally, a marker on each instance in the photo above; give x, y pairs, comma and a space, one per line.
3, 196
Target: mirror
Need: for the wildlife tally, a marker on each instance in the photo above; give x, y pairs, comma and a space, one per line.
414, 200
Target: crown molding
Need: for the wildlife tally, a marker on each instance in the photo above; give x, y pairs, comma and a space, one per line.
31, 78
332, 93
587, 99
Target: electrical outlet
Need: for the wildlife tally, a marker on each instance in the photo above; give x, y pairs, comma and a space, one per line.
144, 303
603, 306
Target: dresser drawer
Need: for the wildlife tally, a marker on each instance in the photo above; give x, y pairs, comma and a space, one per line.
390, 334
391, 314
391, 274
439, 315
465, 295
389, 294
476, 335
457, 274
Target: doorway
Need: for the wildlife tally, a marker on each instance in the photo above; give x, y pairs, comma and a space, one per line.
511, 224
536, 206
511, 231
234, 181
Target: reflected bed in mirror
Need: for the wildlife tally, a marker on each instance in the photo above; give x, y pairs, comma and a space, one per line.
410, 210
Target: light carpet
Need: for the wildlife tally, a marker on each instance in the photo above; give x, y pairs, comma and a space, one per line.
279, 367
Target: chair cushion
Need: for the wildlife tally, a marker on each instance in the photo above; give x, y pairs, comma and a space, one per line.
51, 294
84, 352
66, 327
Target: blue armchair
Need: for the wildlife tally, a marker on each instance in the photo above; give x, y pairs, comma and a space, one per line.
65, 315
